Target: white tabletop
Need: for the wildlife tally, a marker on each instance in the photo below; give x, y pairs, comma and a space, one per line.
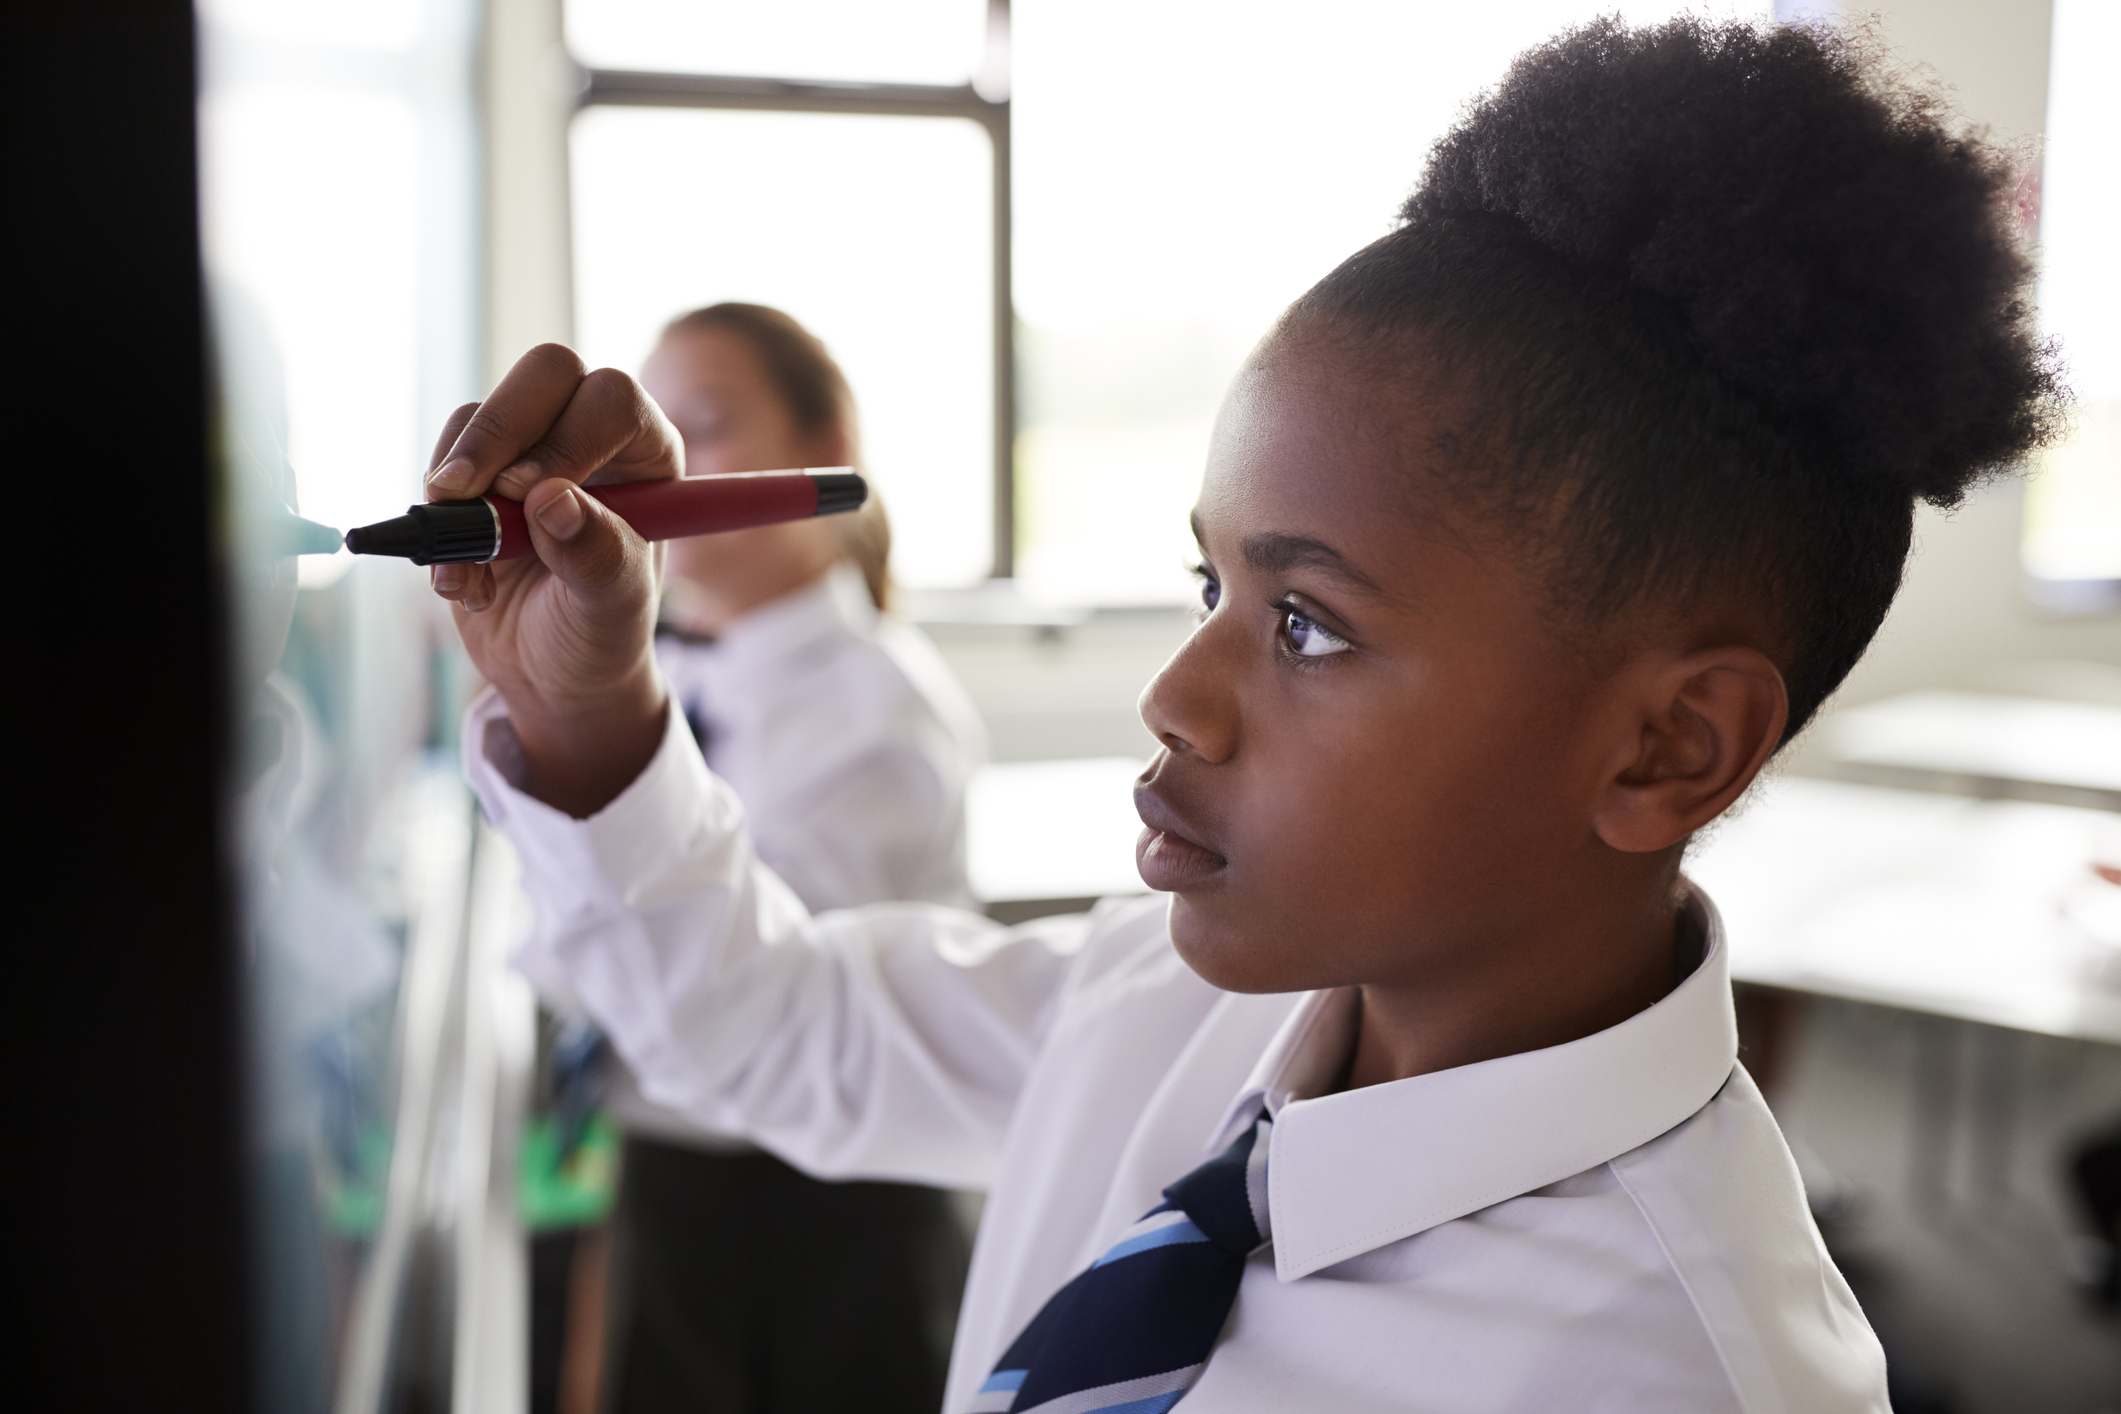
1990, 741
1983, 910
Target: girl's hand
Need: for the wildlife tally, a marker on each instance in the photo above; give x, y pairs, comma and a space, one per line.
565, 637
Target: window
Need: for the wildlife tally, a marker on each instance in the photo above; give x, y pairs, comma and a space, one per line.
847, 163
859, 41
1183, 171
2072, 547
1165, 178
873, 231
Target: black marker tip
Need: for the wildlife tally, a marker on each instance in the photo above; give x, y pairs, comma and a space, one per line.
437, 533
399, 536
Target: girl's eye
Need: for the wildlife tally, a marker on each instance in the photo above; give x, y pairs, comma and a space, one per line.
1211, 593
1308, 639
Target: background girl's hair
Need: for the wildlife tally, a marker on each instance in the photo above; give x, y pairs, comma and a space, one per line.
1718, 303
800, 368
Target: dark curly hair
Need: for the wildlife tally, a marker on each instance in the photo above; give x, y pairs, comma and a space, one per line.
1717, 304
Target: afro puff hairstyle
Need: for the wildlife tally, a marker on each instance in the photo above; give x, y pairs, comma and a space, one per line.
1718, 303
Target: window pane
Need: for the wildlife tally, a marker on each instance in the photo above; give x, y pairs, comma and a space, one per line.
2073, 510
874, 233
907, 41
1173, 193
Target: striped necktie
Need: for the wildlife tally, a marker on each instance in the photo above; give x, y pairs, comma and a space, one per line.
1133, 1333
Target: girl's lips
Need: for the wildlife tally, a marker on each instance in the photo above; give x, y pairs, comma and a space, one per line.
1171, 863
1168, 861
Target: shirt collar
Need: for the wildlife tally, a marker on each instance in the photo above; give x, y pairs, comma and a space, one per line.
834, 604
1354, 1171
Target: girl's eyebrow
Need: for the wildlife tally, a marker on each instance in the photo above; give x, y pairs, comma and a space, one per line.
1277, 553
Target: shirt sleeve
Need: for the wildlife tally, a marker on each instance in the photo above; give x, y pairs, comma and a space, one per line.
887, 824
888, 1041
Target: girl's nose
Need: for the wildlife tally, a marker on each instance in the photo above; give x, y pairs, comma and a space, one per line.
1191, 706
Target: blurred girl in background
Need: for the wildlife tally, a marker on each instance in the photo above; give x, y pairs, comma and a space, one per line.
848, 742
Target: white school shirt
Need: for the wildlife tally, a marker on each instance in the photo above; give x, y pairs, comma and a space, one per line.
1610, 1225
848, 742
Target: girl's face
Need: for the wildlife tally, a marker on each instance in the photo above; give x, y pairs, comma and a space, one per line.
1379, 762
712, 385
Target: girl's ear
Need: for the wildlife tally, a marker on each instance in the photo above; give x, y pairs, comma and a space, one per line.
1703, 726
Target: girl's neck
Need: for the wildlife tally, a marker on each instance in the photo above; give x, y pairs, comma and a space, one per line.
1542, 991
728, 576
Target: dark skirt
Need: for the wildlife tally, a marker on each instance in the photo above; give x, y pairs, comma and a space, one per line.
740, 1286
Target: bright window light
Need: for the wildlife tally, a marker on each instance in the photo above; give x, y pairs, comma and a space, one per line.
1184, 169
906, 41
2073, 510
311, 199
373, 25
873, 232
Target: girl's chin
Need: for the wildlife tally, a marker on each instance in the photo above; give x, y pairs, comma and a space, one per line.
1225, 956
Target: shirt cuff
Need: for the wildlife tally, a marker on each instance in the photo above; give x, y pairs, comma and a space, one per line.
610, 859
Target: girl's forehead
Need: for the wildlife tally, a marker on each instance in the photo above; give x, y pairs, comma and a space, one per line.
707, 356
684, 381
1300, 450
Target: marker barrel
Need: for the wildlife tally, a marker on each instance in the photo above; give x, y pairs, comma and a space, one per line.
488, 528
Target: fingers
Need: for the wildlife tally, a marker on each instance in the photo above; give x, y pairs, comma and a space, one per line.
530, 397
550, 417
451, 430
467, 586
585, 546
610, 430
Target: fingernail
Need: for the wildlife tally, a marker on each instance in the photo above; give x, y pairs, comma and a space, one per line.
455, 475
561, 516
448, 579
515, 481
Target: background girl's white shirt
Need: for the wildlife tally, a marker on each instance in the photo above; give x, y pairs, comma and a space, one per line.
848, 742
1614, 1224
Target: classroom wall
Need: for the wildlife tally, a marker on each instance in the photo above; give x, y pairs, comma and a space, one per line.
1992, 53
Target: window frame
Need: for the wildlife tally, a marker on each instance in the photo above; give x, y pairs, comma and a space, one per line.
636, 88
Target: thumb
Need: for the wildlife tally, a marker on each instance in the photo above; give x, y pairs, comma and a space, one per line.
583, 543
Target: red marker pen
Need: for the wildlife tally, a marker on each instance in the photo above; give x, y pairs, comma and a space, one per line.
492, 527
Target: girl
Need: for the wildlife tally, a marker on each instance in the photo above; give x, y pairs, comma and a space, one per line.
1527, 536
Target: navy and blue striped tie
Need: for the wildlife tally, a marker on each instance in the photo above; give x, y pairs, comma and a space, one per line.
1133, 1333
